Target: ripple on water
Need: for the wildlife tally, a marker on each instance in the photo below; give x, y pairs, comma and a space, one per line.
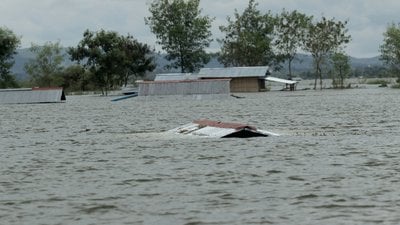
89, 161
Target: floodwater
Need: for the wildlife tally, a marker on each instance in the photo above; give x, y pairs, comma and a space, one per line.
93, 161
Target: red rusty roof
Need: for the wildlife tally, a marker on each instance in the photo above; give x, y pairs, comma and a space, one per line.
212, 123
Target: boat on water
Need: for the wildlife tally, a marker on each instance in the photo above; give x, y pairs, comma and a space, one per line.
124, 97
218, 129
129, 90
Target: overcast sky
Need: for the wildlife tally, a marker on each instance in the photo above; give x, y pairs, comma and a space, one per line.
41, 21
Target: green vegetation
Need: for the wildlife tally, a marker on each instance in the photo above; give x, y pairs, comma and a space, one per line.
341, 69
390, 49
46, 68
248, 39
333, 35
76, 78
380, 82
291, 31
111, 59
105, 60
8, 45
182, 32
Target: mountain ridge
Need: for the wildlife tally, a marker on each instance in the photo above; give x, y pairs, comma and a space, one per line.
302, 63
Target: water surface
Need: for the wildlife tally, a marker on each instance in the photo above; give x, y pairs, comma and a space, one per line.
93, 161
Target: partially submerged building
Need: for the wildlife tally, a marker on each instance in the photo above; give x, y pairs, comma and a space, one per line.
184, 87
207, 81
31, 95
289, 84
175, 76
242, 79
218, 129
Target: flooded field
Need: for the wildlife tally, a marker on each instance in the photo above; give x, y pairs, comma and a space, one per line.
93, 161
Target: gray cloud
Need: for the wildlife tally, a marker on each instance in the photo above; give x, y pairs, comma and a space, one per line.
65, 20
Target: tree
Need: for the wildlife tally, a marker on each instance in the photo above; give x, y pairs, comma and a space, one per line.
75, 78
324, 37
290, 33
341, 69
46, 68
136, 59
390, 49
248, 38
111, 58
8, 45
182, 32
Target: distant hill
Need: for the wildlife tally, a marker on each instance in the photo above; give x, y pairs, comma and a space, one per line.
303, 63
21, 58
162, 62
366, 62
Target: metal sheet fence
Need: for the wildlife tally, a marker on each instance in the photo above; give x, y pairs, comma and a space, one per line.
24, 95
187, 87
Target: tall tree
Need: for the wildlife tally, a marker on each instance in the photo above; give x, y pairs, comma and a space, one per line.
9, 42
46, 68
111, 57
248, 38
341, 68
182, 32
322, 38
290, 33
97, 51
390, 49
137, 59
75, 78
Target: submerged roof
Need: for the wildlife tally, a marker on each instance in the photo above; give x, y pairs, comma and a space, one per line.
219, 124
31, 95
254, 71
175, 76
217, 129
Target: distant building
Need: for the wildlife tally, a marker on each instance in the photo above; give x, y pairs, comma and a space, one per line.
175, 76
289, 84
31, 95
207, 81
243, 79
184, 87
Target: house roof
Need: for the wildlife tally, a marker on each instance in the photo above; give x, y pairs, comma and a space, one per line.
175, 76
218, 129
181, 81
31, 95
234, 72
280, 80
220, 124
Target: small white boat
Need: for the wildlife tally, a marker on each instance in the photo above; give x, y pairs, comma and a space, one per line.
129, 90
217, 129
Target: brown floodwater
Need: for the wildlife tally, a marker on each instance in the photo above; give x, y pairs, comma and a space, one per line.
93, 161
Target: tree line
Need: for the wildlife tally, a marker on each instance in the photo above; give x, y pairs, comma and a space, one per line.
104, 60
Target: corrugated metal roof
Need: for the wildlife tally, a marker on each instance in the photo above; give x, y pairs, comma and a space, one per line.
175, 76
280, 80
184, 87
217, 129
34, 95
254, 71
220, 124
